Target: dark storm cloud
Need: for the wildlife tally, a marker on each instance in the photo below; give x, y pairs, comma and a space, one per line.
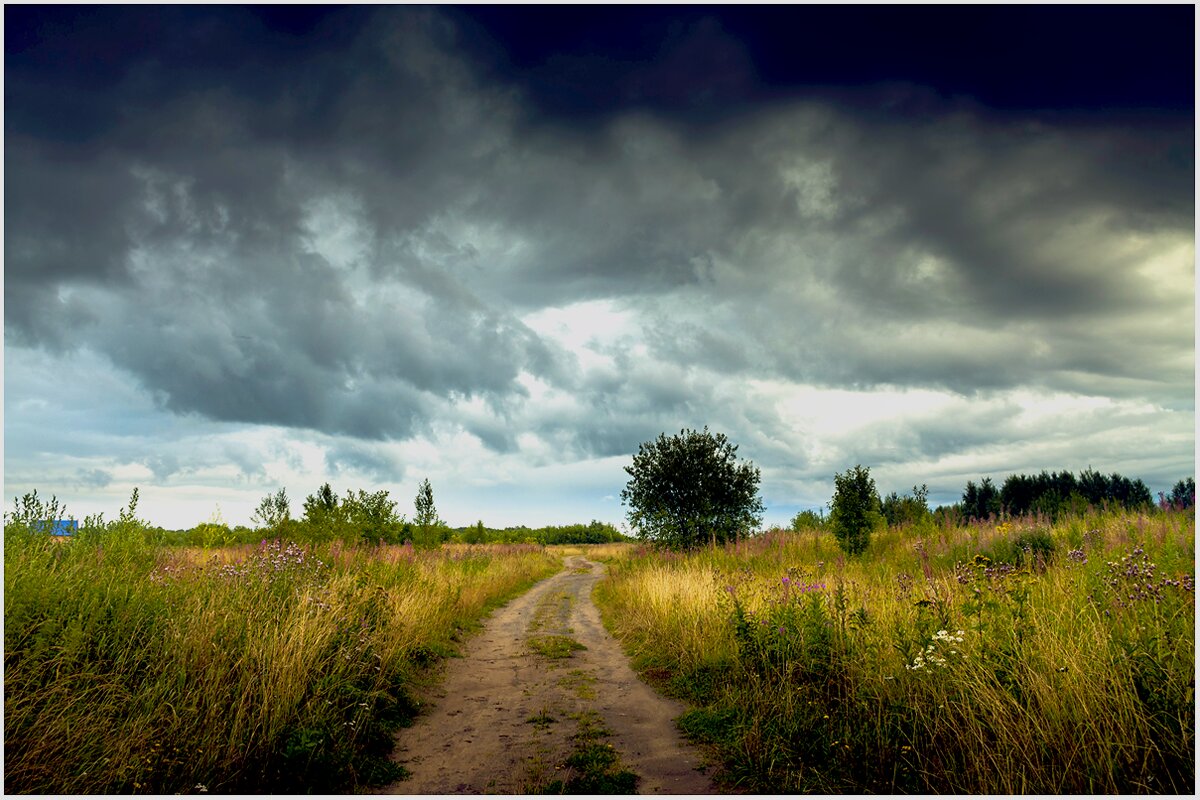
952, 250
175, 242
583, 62
338, 223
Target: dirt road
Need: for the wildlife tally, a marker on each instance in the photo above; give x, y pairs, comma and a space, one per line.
524, 698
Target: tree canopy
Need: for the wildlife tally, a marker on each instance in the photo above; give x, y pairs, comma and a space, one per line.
689, 489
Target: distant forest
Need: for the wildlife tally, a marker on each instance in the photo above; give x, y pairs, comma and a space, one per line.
1055, 493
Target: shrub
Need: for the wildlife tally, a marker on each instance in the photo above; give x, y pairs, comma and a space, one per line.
854, 511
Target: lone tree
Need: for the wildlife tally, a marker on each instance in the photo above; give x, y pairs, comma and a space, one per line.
854, 510
689, 489
427, 519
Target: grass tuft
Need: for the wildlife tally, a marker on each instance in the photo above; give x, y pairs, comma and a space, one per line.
554, 647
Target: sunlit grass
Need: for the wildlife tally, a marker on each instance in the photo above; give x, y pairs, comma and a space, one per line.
1011, 657
596, 552
276, 668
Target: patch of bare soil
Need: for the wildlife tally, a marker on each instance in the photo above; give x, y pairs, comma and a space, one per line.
517, 712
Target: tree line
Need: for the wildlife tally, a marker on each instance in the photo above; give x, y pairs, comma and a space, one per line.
1053, 494
372, 517
690, 490
356, 517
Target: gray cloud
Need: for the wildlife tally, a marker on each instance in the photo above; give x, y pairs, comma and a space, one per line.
355, 457
347, 241
93, 478
235, 317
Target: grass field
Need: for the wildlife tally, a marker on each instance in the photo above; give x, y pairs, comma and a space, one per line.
133, 668
1001, 658
1016, 657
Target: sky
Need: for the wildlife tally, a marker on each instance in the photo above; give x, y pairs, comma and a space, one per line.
252, 248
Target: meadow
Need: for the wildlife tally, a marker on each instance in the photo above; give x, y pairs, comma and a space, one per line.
1003, 657
1010, 656
133, 667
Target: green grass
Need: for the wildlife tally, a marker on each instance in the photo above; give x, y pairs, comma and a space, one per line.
542, 720
1004, 658
554, 647
594, 763
134, 668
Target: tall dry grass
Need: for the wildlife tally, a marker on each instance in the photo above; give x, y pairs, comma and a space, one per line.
131, 668
1011, 657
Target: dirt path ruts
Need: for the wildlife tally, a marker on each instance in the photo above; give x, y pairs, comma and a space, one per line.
503, 719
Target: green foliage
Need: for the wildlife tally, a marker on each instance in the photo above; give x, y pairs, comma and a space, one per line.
553, 646
360, 516
982, 501
854, 510
1182, 496
1054, 494
594, 532
29, 512
426, 511
1028, 549
688, 490
808, 520
594, 765
428, 531
272, 511
792, 638
323, 502
476, 534
908, 510
372, 517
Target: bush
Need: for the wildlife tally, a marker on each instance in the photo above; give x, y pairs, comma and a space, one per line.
854, 511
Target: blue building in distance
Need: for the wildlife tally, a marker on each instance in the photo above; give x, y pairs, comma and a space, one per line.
59, 527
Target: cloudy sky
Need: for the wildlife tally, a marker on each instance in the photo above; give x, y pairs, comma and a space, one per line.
246, 249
